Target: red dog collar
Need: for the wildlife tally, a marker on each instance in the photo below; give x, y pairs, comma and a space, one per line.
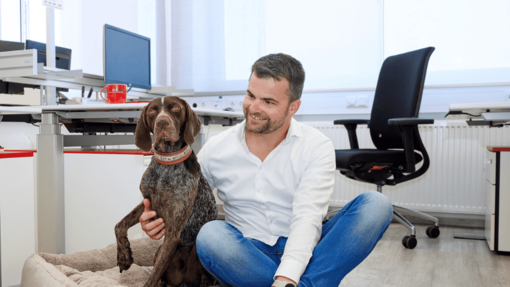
173, 157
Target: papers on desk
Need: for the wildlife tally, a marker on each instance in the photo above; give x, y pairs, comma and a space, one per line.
30, 97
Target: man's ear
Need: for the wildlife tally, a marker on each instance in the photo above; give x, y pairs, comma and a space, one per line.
294, 107
193, 124
143, 138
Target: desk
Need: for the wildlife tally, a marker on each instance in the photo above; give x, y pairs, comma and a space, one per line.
491, 114
483, 114
22, 67
50, 159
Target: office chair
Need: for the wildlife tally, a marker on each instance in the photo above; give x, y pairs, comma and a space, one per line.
393, 128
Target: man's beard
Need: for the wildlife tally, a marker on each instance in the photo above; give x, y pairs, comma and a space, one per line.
270, 125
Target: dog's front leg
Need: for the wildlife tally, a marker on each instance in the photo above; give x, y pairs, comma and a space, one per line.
177, 213
124, 253
165, 253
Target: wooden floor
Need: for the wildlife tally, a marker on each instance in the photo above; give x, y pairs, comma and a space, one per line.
443, 261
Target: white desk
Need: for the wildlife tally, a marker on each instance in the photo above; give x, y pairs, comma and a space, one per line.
491, 114
22, 67
50, 151
481, 114
5, 110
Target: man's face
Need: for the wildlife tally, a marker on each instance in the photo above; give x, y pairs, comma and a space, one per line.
266, 106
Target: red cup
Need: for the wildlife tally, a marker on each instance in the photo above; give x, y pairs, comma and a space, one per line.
116, 94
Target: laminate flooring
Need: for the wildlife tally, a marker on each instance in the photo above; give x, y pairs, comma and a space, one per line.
443, 261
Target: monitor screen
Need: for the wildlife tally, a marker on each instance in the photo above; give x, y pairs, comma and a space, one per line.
6, 46
127, 58
62, 55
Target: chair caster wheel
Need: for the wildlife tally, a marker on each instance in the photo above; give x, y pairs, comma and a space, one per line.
409, 242
433, 231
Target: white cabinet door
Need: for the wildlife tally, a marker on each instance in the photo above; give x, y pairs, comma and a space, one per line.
17, 224
504, 203
100, 189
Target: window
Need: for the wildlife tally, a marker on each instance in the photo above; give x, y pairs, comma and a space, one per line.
79, 26
10, 21
341, 44
471, 38
338, 42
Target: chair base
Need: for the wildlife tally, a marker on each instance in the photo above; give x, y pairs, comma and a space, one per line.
410, 241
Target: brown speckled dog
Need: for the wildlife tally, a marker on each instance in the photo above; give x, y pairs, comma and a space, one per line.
178, 193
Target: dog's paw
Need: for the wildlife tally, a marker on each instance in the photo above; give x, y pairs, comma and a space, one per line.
124, 256
155, 283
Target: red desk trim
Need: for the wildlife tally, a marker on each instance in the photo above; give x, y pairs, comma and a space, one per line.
108, 152
16, 153
29, 153
498, 148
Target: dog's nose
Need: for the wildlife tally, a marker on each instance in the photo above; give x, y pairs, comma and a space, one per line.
163, 123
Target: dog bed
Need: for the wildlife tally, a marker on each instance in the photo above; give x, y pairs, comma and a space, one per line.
92, 268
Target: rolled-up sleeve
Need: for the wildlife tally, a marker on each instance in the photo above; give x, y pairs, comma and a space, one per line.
309, 207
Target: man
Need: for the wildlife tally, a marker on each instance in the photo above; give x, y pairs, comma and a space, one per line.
275, 177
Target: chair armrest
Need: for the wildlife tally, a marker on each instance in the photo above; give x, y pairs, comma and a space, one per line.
350, 126
348, 122
407, 126
409, 121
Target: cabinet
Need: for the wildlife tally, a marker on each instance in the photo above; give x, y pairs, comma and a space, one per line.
17, 214
497, 198
101, 187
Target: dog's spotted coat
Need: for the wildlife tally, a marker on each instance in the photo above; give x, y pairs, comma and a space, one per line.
178, 193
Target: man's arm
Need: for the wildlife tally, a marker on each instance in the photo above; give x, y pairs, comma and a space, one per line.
203, 160
309, 207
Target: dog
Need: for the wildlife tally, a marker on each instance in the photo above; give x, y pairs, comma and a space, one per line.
177, 190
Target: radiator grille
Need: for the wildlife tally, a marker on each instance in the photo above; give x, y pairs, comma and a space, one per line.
455, 180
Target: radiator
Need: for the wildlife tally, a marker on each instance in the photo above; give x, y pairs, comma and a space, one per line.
454, 182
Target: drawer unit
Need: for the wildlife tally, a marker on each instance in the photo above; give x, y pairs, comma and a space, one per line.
497, 198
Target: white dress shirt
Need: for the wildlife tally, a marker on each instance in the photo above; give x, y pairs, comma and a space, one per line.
285, 195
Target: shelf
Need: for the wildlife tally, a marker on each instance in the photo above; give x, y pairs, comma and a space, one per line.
4, 110
22, 67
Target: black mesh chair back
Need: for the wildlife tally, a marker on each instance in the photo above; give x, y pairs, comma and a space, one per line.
398, 95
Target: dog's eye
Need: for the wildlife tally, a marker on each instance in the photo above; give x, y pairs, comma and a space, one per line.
152, 112
176, 108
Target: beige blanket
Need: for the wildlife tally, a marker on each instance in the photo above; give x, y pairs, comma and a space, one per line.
90, 268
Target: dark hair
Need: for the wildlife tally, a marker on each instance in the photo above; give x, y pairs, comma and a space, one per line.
279, 66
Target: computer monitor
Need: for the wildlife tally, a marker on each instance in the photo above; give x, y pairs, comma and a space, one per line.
62, 55
6, 87
6, 46
126, 58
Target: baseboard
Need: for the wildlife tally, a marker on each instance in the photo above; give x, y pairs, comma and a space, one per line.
451, 219
445, 219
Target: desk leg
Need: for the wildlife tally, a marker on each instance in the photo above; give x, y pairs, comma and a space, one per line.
50, 186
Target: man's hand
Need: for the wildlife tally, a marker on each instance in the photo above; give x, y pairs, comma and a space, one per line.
154, 229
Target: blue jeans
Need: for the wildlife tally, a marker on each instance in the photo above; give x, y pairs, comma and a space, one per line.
346, 240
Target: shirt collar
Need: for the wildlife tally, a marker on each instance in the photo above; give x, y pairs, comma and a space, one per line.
294, 130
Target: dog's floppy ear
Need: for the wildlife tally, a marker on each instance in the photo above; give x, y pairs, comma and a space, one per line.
143, 138
192, 127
